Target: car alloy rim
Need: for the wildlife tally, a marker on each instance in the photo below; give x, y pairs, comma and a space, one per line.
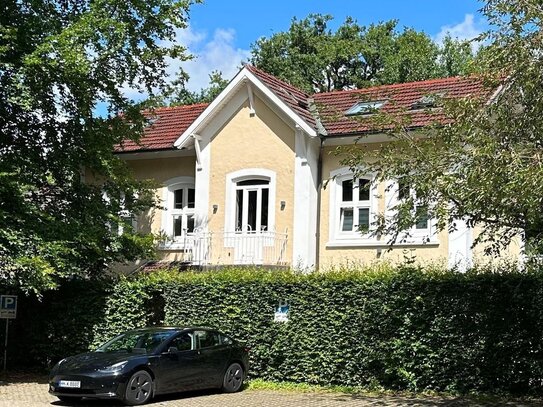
139, 387
234, 376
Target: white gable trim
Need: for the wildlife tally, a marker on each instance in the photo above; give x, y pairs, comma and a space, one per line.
242, 77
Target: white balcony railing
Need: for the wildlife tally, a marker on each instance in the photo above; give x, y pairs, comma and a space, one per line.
236, 248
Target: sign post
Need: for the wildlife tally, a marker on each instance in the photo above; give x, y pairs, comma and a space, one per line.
8, 310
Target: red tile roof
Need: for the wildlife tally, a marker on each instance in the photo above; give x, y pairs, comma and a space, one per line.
171, 122
294, 98
400, 98
167, 124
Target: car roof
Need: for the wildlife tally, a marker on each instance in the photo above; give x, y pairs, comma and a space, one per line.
172, 328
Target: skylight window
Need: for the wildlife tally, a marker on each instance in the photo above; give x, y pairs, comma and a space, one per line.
150, 121
361, 108
428, 101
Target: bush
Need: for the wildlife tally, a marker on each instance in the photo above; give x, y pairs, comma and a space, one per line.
404, 328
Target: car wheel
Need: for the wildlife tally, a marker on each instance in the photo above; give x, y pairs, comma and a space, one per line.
138, 389
69, 399
233, 378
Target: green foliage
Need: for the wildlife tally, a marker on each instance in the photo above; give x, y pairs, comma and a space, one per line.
394, 329
178, 94
131, 303
373, 328
313, 57
484, 165
59, 61
55, 325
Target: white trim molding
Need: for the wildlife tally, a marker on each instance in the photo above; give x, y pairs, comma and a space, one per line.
232, 179
247, 78
304, 253
415, 236
168, 212
337, 237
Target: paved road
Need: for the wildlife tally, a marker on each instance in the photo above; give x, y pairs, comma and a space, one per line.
31, 392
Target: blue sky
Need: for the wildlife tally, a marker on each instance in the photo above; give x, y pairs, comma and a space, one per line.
221, 32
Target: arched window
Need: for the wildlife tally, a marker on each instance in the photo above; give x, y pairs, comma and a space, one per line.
252, 205
182, 210
179, 210
250, 201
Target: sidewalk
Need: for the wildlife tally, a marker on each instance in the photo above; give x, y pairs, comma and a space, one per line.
32, 392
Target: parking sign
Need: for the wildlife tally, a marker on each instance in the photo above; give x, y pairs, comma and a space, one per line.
8, 306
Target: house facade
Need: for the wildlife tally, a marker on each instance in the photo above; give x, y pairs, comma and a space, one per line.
252, 178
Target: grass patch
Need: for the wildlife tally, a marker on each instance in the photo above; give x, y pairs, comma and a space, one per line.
259, 384
484, 399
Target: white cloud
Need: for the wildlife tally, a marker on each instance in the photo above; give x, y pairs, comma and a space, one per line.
466, 30
218, 54
209, 54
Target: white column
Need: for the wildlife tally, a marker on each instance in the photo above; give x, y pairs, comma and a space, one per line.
305, 203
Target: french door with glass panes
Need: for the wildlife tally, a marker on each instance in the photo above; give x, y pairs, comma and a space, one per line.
251, 220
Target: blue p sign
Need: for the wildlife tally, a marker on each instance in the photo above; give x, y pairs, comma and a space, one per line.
8, 306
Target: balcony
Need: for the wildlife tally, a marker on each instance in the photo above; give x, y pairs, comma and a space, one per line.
205, 249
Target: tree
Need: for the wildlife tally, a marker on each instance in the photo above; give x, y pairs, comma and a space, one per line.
313, 57
178, 94
59, 61
484, 163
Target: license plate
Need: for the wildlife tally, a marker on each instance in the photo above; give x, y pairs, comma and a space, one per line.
72, 384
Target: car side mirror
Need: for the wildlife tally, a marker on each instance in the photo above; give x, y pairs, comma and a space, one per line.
172, 349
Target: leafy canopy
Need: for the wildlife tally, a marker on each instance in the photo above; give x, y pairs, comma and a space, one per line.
59, 61
313, 57
486, 164
177, 93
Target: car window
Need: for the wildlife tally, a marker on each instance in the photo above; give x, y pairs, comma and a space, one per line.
136, 341
207, 339
182, 342
225, 340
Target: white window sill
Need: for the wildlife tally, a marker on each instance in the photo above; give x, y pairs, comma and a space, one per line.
380, 243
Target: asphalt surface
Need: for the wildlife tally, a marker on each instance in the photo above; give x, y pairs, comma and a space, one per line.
28, 391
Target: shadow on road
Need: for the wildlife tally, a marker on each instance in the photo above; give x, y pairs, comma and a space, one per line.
22, 377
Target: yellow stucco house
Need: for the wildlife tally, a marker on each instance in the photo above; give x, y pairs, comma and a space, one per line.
242, 177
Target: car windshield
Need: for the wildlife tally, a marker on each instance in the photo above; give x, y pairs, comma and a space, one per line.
136, 341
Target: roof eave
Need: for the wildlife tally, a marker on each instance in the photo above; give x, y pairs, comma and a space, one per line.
242, 77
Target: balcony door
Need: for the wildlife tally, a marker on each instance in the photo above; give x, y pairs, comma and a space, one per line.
251, 220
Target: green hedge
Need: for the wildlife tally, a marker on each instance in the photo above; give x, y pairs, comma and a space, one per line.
403, 329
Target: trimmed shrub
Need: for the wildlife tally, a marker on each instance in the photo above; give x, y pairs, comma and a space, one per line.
404, 328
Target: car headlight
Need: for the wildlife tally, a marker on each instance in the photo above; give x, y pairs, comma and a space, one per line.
117, 367
57, 365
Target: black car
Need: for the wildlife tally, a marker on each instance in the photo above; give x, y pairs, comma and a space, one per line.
139, 364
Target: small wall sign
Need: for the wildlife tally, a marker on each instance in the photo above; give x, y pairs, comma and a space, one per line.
281, 312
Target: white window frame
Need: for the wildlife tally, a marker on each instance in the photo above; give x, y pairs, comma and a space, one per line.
118, 228
245, 189
413, 236
230, 197
338, 237
169, 213
125, 214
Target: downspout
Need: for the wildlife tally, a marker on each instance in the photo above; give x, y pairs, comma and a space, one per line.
319, 195
321, 132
